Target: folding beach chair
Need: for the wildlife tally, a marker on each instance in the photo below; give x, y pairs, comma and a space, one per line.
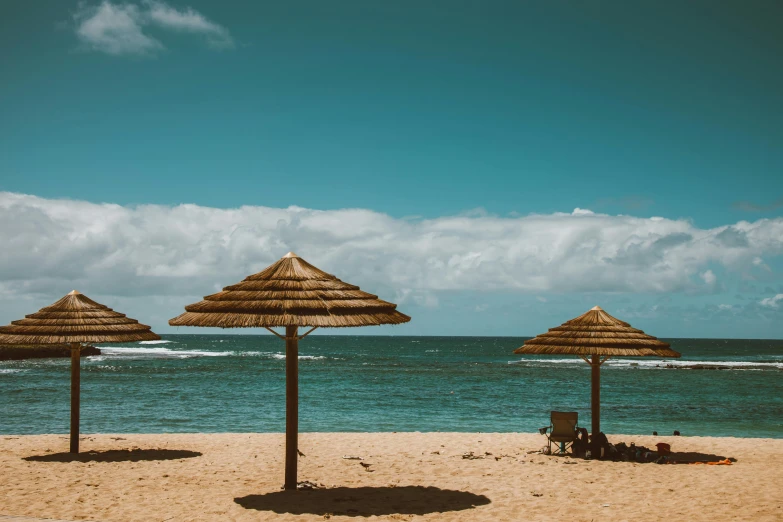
561, 430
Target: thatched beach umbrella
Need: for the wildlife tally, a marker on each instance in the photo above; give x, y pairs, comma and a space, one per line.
290, 293
597, 335
75, 319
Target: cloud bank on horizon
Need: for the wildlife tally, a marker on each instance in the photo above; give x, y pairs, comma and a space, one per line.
123, 28
194, 250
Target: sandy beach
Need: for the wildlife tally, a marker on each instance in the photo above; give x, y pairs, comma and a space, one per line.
413, 476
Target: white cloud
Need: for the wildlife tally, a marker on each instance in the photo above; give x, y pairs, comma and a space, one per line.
423, 298
772, 302
757, 261
708, 277
582, 212
114, 29
189, 20
427, 300
51, 246
121, 28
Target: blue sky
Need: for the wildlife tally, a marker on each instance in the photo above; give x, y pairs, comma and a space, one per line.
416, 112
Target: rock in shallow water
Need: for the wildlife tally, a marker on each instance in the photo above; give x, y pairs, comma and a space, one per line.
21, 352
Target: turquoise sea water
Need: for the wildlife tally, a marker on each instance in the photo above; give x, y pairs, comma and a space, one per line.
236, 383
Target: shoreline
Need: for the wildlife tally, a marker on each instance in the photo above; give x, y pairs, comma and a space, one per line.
412, 476
428, 433
610, 436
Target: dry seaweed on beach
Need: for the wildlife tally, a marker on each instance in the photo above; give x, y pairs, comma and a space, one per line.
470, 456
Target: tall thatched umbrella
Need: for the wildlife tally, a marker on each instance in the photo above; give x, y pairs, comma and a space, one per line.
290, 293
75, 319
596, 334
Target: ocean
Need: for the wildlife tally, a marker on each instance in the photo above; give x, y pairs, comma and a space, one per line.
236, 383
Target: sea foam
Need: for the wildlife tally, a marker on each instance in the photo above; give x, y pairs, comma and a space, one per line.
667, 364
160, 352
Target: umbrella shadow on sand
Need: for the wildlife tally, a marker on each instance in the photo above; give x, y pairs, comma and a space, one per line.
364, 501
691, 457
133, 455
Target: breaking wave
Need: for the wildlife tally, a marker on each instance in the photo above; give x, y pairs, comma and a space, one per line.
668, 364
159, 352
162, 352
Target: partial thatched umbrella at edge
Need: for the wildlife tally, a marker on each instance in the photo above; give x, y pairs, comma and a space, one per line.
596, 334
291, 293
75, 319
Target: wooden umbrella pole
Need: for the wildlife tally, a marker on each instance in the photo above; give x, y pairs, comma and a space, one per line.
595, 403
75, 389
291, 405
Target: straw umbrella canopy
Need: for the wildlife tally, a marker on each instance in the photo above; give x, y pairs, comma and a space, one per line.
75, 319
291, 293
599, 336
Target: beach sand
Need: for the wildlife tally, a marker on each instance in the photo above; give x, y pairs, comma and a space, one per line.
415, 476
